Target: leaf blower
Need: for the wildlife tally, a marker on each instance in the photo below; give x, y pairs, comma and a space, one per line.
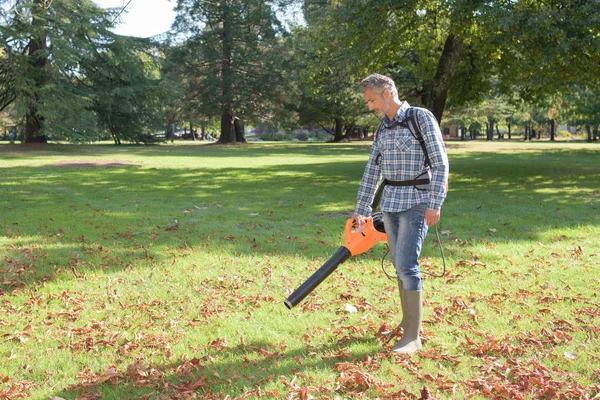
356, 241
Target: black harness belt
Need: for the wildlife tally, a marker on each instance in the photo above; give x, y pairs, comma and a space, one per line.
413, 182
422, 179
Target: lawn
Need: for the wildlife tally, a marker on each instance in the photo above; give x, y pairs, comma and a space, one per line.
159, 272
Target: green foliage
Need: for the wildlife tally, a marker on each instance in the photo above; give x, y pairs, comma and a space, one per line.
83, 79
231, 61
531, 48
126, 91
581, 106
44, 43
546, 47
327, 88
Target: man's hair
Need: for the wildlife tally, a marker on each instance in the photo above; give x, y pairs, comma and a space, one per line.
379, 83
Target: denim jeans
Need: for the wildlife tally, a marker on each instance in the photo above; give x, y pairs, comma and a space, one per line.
406, 231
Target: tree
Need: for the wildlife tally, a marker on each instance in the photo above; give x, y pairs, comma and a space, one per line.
327, 92
126, 89
231, 61
43, 42
418, 43
441, 50
546, 47
582, 107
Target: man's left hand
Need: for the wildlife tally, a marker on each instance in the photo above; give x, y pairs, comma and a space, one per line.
432, 217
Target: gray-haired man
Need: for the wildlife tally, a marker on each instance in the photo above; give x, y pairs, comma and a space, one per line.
397, 156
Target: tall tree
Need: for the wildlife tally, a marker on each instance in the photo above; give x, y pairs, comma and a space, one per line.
417, 42
42, 44
230, 62
326, 88
126, 89
437, 50
582, 107
545, 47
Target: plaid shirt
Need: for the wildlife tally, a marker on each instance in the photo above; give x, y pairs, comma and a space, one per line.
402, 159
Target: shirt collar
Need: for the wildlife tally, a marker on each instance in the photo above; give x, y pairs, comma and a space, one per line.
398, 118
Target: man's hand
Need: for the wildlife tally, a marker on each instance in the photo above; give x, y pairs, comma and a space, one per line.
431, 217
359, 220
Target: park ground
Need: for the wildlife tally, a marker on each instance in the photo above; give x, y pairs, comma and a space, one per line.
159, 272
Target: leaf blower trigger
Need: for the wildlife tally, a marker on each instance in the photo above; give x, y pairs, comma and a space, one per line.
356, 241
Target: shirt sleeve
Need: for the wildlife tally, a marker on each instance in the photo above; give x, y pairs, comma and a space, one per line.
368, 185
438, 157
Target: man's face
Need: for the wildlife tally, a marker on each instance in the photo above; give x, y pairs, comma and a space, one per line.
377, 102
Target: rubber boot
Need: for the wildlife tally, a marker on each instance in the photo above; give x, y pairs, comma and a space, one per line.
413, 314
401, 324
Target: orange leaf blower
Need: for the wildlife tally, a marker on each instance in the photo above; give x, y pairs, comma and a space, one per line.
356, 241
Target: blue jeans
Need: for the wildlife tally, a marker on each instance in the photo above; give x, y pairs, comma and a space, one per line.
406, 231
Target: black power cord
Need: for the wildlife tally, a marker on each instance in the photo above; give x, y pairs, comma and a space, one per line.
437, 235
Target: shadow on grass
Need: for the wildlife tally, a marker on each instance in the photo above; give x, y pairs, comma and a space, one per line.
80, 218
255, 369
41, 152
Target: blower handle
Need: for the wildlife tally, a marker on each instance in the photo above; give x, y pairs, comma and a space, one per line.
362, 238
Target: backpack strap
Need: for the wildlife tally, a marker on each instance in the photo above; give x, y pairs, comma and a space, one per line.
412, 123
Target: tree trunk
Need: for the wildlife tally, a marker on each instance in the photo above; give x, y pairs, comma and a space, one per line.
228, 134
171, 128
552, 129
227, 129
588, 128
192, 130
509, 134
115, 135
596, 133
489, 129
38, 57
240, 136
339, 130
438, 93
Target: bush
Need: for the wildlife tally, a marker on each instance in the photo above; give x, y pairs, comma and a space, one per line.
302, 136
564, 134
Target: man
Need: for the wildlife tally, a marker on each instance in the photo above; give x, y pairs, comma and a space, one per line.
408, 211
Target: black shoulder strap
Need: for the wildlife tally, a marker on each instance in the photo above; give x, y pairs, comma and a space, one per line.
412, 123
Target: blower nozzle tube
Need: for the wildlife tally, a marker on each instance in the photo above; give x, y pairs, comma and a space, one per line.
341, 255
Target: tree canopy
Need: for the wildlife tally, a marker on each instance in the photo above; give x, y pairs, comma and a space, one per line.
65, 73
230, 62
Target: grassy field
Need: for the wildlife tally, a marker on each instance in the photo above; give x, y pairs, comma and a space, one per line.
159, 272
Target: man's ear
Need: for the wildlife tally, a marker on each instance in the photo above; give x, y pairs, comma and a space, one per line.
387, 95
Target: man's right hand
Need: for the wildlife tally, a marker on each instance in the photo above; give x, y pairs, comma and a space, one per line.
358, 220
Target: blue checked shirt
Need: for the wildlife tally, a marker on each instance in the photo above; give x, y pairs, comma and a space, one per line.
402, 159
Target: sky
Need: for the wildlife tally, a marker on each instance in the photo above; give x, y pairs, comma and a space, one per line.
143, 18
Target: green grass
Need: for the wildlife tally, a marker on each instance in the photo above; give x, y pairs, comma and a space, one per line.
164, 276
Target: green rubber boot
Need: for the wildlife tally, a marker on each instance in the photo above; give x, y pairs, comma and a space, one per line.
412, 310
401, 324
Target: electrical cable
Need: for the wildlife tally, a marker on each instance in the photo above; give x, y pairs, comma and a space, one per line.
121, 12
437, 235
